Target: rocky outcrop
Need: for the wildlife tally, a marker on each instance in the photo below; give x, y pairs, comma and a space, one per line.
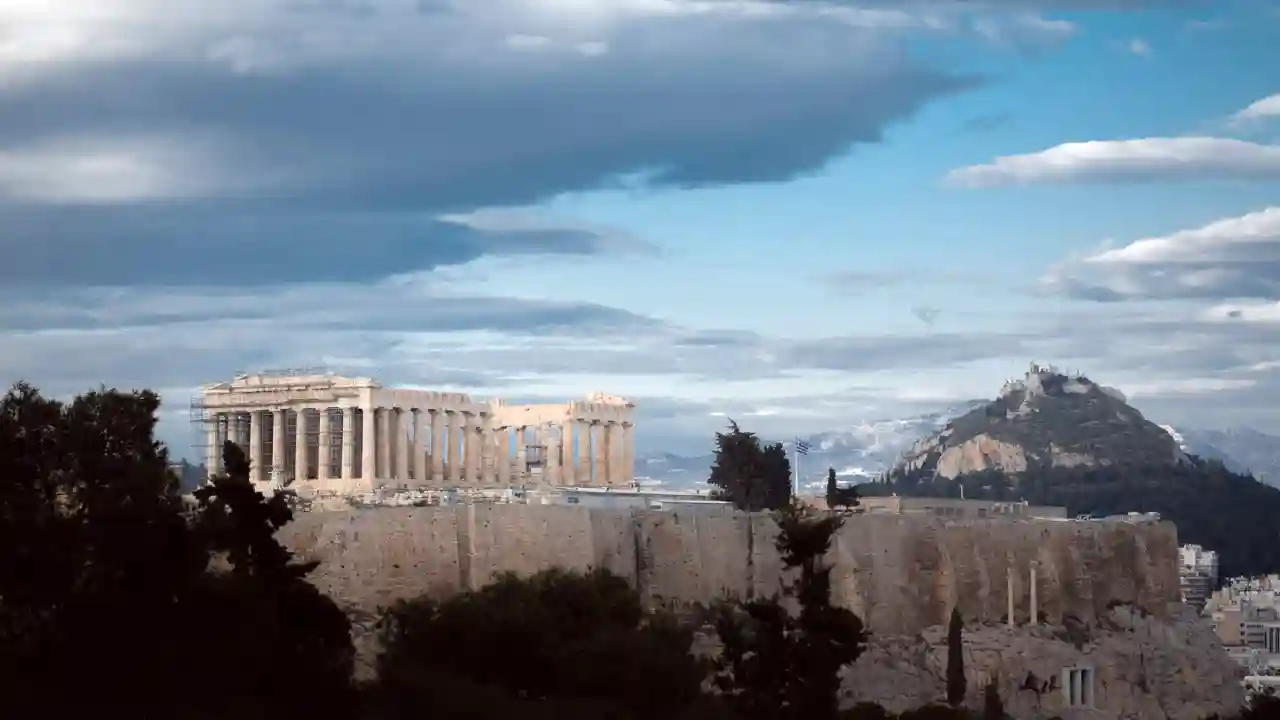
1045, 419
981, 453
1143, 668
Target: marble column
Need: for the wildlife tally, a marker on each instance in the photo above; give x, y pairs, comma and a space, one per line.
454, 447
368, 447
599, 455
384, 471
520, 468
279, 446
613, 451
628, 453
1009, 581
324, 448
488, 452
300, 446
224, 432
404, 419
471, 466
348, 468
566, 453
551, 456
583, 469
213, 453
437, 447
420, 430
255, 446
1035, 614
502, 455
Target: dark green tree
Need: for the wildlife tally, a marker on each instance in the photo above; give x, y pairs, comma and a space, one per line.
752, 476
838, 497
784, 666
557, 644
956, 684
110, 595
992, 705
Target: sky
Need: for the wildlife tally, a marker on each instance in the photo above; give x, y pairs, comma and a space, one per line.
801, 214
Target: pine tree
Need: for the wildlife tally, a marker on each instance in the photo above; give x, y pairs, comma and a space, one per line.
751, 476
784, 667
832, 498
955, 660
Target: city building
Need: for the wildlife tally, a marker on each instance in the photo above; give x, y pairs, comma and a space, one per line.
1246, 616
320, 432
1197, 574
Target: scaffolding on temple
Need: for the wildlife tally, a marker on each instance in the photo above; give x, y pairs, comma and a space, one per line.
200, 423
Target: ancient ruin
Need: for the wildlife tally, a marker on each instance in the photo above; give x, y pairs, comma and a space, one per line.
338, 435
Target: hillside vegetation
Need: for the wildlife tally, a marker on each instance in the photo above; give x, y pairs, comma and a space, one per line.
1057, 439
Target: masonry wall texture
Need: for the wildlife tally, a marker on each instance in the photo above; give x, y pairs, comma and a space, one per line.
900, 573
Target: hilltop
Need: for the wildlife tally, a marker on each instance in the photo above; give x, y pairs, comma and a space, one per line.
1046, 419
1058, 439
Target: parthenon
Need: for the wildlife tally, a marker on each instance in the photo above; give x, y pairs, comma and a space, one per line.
345, 435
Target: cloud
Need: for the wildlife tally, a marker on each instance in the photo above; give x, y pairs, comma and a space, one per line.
207, 245
1024, 32
1139, 47
1236, 257
445, 107
926, 314
1259, 111
266, 141
1144, 159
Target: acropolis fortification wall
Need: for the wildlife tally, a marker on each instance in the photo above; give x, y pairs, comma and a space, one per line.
900, 573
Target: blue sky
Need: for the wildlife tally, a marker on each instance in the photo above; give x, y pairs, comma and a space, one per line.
800, 213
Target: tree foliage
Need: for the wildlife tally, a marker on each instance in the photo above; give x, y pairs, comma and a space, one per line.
110, 595
778, 664
749, 474
838, 497
992, 705
558, 644
956, 684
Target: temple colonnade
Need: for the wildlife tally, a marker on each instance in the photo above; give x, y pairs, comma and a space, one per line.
341, 434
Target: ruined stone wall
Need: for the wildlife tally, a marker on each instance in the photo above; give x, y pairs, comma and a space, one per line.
899, 573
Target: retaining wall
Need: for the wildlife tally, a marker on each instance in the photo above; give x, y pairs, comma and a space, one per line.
900, 573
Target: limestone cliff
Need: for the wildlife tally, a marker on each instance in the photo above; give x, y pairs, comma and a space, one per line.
1144, 668
1045, 419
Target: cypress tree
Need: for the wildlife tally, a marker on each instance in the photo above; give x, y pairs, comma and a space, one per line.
955, 660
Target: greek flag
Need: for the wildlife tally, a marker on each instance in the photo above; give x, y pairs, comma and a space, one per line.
802, 447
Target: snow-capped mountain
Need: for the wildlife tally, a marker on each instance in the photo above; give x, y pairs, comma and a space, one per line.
867, 449
1240, 449
858, 454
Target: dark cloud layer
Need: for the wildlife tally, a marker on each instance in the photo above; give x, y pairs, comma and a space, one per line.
217, 244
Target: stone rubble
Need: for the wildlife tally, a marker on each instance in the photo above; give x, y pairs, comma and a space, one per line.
1145, 668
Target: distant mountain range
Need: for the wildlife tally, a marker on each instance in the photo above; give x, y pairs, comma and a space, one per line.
868, 449
1242, 450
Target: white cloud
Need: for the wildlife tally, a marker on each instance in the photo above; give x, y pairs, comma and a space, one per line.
1182, 158
130, 168
1236, 257
1268, 108
1139, 47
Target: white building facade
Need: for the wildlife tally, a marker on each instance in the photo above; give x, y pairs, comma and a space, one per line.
340, 435
1197, 574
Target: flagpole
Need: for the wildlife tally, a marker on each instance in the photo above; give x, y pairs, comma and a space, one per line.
795, 471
